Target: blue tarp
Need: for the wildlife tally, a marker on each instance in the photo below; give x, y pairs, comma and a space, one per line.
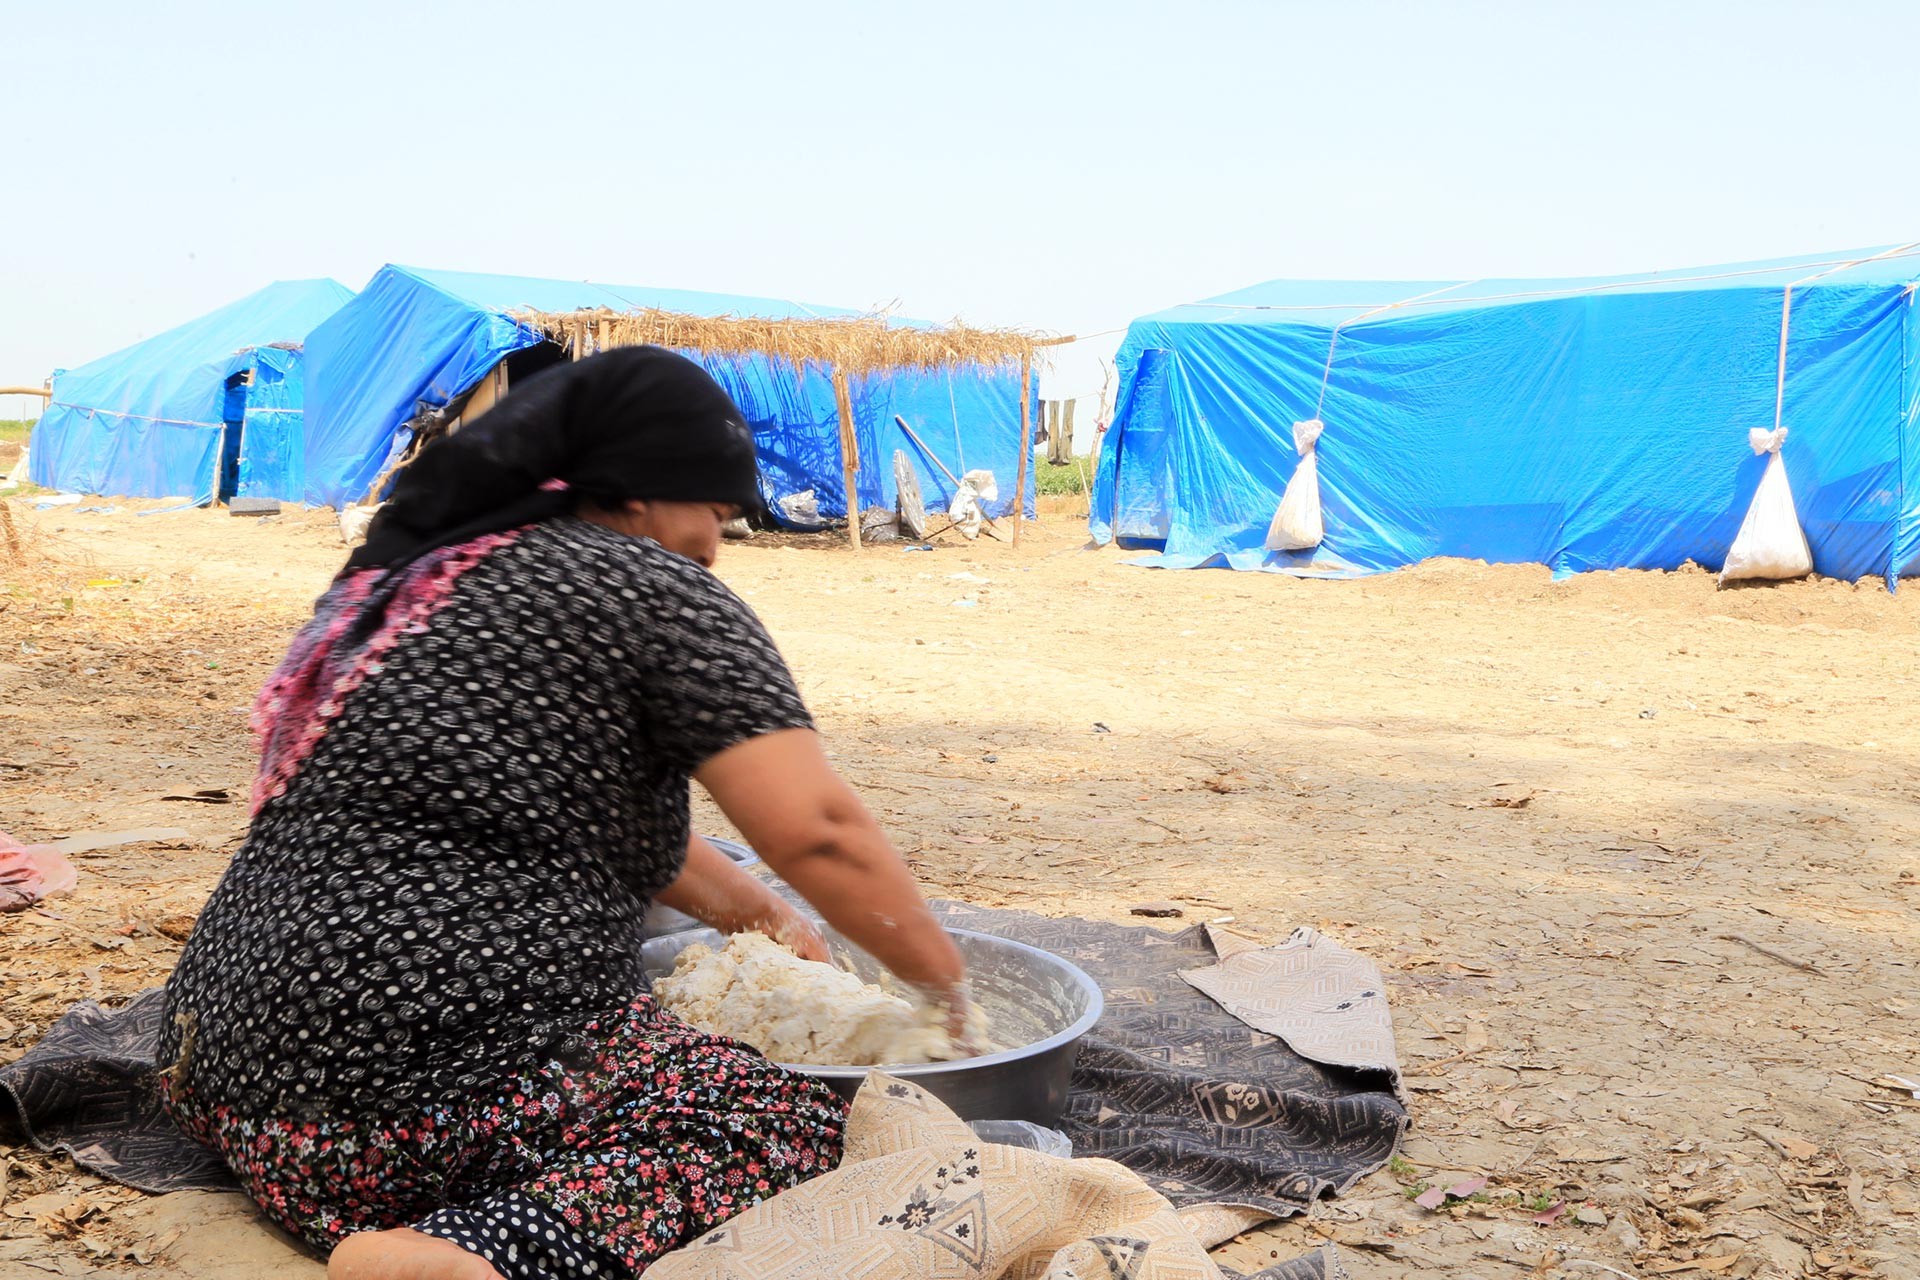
154, 420
417, 339
1581, 424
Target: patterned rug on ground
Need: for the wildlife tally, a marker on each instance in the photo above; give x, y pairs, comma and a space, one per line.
1212, 1113
1207, 1109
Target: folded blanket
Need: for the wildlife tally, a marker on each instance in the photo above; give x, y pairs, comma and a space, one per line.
919, 1196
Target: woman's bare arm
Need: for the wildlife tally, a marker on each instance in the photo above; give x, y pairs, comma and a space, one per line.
714, 891
796, 811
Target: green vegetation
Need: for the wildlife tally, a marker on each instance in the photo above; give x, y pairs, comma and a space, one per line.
14, 430
1069, 481
1401, 1168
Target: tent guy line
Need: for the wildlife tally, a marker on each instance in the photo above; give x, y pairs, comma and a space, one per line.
1333, 339
1786, 314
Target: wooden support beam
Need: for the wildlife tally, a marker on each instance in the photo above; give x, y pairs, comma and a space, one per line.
849, 454
1026, 449
42, 392
485, 394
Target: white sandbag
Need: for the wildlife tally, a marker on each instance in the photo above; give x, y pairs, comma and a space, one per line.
1296, 523
968, 508
1771, 543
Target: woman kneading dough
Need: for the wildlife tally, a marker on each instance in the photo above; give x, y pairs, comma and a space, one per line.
412, 1019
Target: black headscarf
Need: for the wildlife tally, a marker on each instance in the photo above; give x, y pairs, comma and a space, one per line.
635, 422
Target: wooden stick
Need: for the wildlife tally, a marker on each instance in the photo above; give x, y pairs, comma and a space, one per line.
42, 392
1026, 449
1802, 965
849, 453
12, 534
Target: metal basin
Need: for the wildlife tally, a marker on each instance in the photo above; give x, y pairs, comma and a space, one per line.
1032, 998
663, 920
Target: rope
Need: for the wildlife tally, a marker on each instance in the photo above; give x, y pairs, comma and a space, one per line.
1786, 315
1333, 340
133, 417
953, 418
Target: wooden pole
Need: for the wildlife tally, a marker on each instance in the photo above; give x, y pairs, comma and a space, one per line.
1026, 448
42, 392
849, 454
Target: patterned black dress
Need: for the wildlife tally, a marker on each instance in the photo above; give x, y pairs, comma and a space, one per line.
416, 997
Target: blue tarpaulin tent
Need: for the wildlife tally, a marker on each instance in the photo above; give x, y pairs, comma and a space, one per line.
1582, 424
416, 340
209, 409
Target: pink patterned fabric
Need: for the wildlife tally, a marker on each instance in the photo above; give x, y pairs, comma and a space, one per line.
29, 873
651, 1134
306, 690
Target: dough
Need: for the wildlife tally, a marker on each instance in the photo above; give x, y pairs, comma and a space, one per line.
793, 1010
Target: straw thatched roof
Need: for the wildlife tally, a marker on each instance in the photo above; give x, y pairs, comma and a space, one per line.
853, 345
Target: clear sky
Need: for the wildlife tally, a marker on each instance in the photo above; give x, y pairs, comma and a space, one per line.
1057, 165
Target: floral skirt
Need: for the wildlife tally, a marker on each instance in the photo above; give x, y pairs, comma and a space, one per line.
580, 1170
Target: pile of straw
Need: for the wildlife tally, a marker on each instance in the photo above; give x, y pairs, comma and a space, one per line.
853, 345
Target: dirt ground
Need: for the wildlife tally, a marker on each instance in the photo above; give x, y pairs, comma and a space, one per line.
1636, 854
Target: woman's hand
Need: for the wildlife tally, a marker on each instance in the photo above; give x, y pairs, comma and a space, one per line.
785, 925
965, 1022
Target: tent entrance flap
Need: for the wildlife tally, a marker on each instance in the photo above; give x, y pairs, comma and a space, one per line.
1143, 476
232, 428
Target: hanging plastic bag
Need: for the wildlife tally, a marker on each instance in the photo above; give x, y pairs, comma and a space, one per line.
1296, 524
1771, 543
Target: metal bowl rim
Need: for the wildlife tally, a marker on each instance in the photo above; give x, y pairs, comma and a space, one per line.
1096, 1005
739, 854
